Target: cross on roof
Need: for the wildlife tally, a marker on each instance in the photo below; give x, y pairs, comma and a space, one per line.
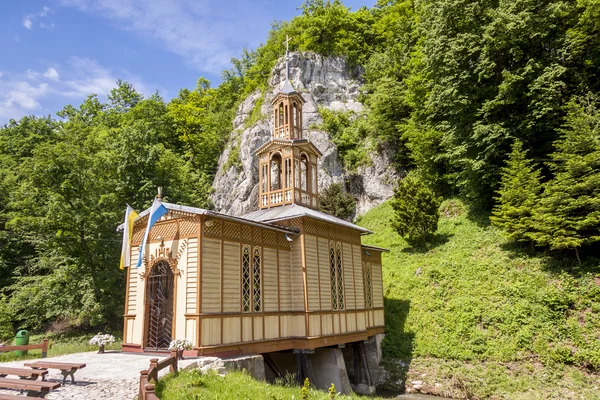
287, 43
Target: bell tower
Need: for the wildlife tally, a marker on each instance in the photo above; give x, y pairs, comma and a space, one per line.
288, 162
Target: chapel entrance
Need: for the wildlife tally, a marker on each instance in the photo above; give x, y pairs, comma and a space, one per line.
159, 306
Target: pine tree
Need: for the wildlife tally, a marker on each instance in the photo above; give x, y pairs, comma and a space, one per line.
517, 197
416, 209
568, 215
337, 202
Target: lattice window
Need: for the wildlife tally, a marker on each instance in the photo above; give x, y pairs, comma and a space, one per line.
257, 298
340, 276
333, 270
246, 279
368, 285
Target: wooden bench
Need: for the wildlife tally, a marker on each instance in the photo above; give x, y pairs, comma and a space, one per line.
23, 373
66, 369
33, 388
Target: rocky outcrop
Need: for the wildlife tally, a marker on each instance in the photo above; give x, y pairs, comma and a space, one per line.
323, 82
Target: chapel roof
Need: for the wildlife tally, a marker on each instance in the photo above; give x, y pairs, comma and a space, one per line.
201, 211
274, 214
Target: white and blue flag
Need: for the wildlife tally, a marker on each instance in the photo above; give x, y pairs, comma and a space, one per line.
157, 211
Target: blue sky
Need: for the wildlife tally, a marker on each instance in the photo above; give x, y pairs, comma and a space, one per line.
56, 52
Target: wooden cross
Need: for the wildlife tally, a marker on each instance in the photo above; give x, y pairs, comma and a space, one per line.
287, 43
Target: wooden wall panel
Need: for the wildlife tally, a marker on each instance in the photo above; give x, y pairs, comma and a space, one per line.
285, 281
351, 322
343, 326
378, 317
348, 276
232, 330
312, 272
324, 274
314, 324
191, 276
336, 323
258, 328
271, 327
130, 332
358, 277
326, 324
211, 331
211, 276
231, 277
361, 321
270, 279
377, 285
299, 325
297, 278
190, 330
247, 329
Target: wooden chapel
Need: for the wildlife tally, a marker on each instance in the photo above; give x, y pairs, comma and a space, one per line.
286, 276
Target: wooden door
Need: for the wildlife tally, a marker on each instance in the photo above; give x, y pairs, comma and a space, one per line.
159, 306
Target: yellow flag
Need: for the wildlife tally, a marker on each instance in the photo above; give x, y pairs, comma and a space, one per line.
130, 217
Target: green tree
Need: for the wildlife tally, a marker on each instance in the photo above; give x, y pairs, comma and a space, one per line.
415, 209
568, 216
337, 202
518, 195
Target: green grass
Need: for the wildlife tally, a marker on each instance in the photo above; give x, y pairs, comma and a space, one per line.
472, 315
59, 345
191, 385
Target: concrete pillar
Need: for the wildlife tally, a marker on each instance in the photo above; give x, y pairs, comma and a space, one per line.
329, 367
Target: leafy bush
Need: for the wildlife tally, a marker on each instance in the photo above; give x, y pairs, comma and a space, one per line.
416, 209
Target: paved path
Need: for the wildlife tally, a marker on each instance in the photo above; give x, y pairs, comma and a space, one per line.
112, 375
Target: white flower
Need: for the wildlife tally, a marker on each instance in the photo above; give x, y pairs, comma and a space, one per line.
180, 344
102, 339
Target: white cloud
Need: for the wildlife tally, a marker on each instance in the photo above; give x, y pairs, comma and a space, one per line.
29, 19
184, 27
38, 93
52, 74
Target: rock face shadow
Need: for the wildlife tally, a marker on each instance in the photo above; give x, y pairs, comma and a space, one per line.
420, 247
398, 347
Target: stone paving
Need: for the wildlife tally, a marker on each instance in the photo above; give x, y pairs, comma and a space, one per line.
112, 375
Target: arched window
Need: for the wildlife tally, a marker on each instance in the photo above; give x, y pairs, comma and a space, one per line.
275, 172
333, 277
314, 179
296, 174
295, 119
303, 172
246, 279
368, 285
340, 276
257, 298
280, 113
288, 173
265, 178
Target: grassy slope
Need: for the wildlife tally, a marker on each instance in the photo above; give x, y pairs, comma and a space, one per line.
475, 317
235, 385
59, 345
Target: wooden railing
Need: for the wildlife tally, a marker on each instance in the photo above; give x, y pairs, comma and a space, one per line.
42, 346
151, 375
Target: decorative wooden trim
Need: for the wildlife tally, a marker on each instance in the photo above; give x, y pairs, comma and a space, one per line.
200, 260
304, 278
318, 282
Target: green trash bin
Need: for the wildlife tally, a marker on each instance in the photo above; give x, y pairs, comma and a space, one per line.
22, 339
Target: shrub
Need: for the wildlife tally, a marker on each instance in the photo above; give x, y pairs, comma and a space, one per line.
415, 209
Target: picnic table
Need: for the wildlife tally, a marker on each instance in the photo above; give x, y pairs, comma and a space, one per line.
33, 388
66, 369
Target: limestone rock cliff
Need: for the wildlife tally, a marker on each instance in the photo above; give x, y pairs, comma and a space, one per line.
323, 82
